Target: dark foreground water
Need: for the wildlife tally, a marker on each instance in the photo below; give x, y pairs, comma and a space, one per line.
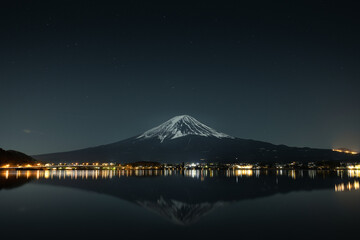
179, 205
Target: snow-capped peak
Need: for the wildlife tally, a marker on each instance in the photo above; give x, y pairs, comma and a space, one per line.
181, 126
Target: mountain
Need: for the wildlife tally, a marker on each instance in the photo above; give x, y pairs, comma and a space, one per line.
185, 139
14, 158
181, 126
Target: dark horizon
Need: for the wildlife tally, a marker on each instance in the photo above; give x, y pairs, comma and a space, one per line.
82, 74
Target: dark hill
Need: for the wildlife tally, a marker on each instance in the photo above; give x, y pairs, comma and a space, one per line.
14, 158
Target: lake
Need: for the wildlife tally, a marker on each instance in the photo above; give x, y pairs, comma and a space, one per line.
191, 204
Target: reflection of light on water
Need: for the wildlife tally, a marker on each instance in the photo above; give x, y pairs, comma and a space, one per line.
353, 173
38, 174
340, 173
349, 173
203, 174
347, 187
241, 173
47, 174
312, 174
292, 174
200, 174
192, 173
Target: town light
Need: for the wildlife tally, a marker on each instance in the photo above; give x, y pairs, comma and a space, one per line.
344, 150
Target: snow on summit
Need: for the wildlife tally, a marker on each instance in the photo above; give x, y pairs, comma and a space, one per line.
181, 126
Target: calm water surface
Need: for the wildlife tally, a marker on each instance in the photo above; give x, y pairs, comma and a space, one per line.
192, 204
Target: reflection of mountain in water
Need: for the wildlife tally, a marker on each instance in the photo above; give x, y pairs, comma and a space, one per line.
179, 212
184, 200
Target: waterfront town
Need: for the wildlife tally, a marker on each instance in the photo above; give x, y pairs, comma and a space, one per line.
321, 165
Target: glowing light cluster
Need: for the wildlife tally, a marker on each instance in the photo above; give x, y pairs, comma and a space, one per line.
244, 166
353, 167
343, 150
347, 187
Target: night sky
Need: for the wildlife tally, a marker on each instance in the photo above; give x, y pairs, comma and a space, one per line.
76, 74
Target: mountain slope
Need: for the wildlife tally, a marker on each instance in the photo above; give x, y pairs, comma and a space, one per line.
14, 157
184, 139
